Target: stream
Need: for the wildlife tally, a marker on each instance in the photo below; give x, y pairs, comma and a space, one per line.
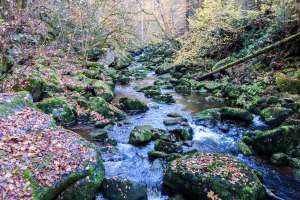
132, 162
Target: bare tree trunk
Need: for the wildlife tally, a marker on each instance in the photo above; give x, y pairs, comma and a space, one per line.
298, 12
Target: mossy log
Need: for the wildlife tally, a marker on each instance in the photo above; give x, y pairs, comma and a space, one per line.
250, 56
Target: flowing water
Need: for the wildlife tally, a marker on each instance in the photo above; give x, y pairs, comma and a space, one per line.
132, 162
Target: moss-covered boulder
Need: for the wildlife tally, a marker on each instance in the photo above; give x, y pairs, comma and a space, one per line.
208, 176
35, 86
175, 121
281, 139
162, 155
99, 105
102, 89
164, 98
279, 159
228, 113
51, 162
141, 135
244, 148
182, 133
131, 105
274, 116
99, 135
225, 113
174, 115
59, 108
123, 189
167, 147
209, 114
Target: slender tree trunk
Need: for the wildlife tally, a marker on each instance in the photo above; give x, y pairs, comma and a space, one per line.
298, 12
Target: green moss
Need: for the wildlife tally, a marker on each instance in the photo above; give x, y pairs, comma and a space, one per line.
18, 101
244, 148
61, 111
87, 184
141, 135
288, 84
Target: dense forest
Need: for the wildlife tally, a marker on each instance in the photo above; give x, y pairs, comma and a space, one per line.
150, 99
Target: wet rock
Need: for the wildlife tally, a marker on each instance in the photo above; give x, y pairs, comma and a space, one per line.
215, 100
102, 124
163, 69
99, 105
279, 159
167, 147
174, 115
281, 139
141, 135
183, 89
182, 133
162, 155
201, 175
274, 116
152, 93
174, 121
294, 162
164, 98
161, 134
100, 135
123, 189
131, 105
226, 113
238, 114
124, 80
59, 108
213, 114
244, 148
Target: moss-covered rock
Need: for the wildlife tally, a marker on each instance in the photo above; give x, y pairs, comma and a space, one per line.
35, 86
182, 133
103, 90
162, 155
279, 159
131, 105
99, 135
274, 116
141, 135
209, 114
14, 101
167, 147
238, 114
281, 139
203, 176
244, 148
294, 162
174, 115
123, 189
164, 98
59, 108
98, 104
174, 121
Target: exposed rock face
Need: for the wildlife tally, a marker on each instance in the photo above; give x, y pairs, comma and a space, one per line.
203, 176
48, 158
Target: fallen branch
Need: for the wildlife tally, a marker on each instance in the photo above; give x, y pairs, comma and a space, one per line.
250, 56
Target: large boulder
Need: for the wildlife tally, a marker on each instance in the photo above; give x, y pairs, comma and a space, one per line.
141, 135
123, 189
225, 113
60, 109
131, 105
274, 116
281, 139
99, 105
167, 147
212, 176
51, 162
164, 98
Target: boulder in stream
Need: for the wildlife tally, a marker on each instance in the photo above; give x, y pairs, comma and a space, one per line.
131, 105
281, 139
212, 176
167, 147
274, 116
141, 135
123, 189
